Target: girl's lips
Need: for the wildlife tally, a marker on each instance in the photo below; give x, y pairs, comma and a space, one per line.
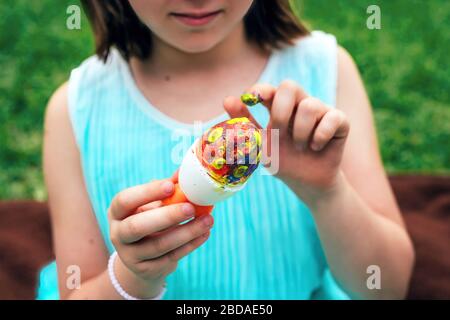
199, 19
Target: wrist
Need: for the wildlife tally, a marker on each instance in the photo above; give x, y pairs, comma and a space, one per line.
320, 198
135, 285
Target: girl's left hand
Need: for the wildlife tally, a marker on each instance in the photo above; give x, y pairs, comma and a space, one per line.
312, 136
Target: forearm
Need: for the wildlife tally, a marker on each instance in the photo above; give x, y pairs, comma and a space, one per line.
354, 237
97, 288
101, 288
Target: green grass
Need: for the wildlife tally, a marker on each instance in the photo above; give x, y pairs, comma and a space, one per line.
404, 65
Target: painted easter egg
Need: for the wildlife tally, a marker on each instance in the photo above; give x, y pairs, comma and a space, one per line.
230, 151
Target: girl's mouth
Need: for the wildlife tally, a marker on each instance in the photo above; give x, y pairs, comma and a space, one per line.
196, 19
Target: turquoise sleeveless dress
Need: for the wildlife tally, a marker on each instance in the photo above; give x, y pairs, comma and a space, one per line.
264, 244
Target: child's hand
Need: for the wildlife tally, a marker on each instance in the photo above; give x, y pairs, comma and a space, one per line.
311, 136
148, 237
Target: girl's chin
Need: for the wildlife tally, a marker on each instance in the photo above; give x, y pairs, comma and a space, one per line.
198, 47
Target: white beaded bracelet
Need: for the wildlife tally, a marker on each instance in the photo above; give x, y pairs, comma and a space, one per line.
119, 288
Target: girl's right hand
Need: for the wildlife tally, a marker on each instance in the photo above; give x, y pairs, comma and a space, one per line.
148, 237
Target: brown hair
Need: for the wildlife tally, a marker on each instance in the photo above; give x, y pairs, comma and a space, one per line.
269, 23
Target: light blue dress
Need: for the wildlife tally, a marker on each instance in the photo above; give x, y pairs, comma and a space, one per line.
264, 244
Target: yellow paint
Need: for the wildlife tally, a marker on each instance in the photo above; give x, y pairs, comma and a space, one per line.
257, 136
215, 134
238, 120
250, 99
240, 171
218, 163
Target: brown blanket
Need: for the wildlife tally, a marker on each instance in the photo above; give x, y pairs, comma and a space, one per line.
25, 239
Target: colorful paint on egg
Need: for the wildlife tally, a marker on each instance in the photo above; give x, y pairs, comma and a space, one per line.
230, 151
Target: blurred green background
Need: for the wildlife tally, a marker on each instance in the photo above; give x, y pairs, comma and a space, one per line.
405, 66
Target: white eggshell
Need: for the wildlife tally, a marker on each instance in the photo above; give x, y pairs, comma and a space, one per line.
197, 185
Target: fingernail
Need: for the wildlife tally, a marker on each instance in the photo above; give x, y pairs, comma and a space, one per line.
206, 235
167, 187
188, 209
316, 147
207, 220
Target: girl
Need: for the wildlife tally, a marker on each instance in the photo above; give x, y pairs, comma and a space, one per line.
311, 231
